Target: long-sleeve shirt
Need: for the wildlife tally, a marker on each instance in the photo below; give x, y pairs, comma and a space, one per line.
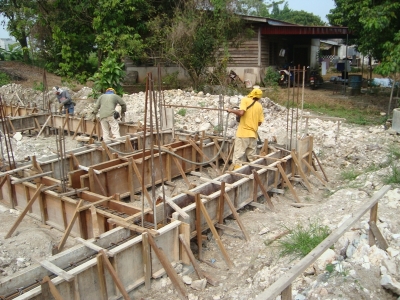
106, 103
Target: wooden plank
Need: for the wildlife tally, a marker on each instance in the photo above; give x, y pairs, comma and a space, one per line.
102, 278
313, 171
31, 177
258, 205
95, 222
175, 279
236, 215
140, 179
373, 217
24, 212
146, 260
286, 279
287, 182
264, 191
92, 246
189, 252
184, 229
101, 201
114, 275
133, 227
320, 166
224, 227
204, 156
56, 270
300, 170
49, 285
175, 207
378, 235
259, 166
210, 223
215, 181
44, 125
69, 228
198, 227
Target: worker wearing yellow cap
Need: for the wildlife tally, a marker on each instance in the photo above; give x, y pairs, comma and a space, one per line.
106, 106
251, 116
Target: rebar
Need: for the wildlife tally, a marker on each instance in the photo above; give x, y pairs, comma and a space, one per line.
6, 131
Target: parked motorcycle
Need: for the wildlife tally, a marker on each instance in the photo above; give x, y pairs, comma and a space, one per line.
316, 79
285, 77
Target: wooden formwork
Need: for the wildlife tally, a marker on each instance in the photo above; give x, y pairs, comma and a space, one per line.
94, 209
80, 276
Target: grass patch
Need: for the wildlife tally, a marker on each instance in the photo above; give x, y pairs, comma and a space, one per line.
302, 240
182, 112
393, 177
349, 174
360, 116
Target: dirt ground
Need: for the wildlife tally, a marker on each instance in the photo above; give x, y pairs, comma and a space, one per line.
256, 264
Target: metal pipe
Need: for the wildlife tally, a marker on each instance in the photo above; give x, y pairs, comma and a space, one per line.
199, 107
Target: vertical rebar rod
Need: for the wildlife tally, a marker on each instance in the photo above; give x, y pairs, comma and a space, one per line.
6, 131
144, 143
159, 137
153, 175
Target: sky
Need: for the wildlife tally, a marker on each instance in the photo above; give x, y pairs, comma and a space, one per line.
317, 7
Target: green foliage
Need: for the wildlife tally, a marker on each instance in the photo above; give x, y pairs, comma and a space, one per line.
375, 23
271, 77
4, 79
110, 74
193, 37
294, 16
171, 80
302, 240
182, 112
15, 53
394, 176
38, 86
349, 174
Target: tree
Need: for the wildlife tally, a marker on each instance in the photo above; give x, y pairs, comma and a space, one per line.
20, 15
299, 17
195, 35
376, 28
372, 22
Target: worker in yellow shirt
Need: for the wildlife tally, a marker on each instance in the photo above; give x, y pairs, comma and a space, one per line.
251, 116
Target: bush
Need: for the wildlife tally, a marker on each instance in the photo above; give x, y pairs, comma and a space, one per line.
4, 79
271, 77
182, 112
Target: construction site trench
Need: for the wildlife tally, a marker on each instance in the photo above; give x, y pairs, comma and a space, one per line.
86, 220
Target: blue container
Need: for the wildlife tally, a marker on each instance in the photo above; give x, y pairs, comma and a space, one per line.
355, 81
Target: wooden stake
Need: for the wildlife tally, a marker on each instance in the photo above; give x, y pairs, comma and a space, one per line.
320, 166
102, 278
189, 252
146, 260
114, 275
204, 156
24, 212
236, 215
139, 177
95, 223
264, 191
77, 128
378, 235
198, 226
373, 217
44, 125
286, 179
199, 204
300, 170
175, 279
48, 285
69, 228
